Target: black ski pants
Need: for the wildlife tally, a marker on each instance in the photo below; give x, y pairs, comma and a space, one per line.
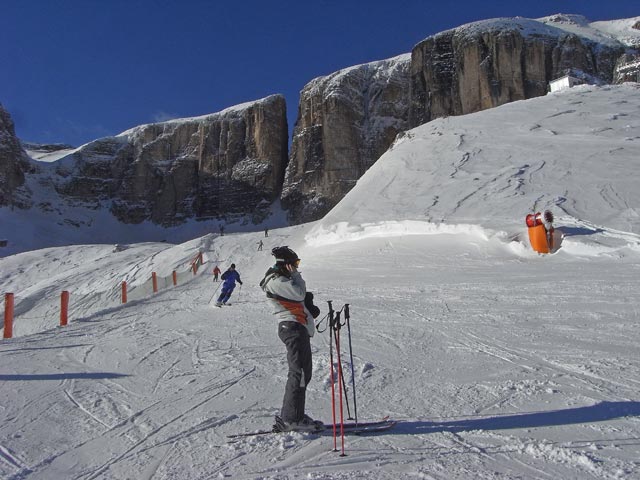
296, 338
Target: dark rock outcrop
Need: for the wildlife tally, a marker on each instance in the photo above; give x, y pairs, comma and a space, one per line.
221, 165
489, 63
627, 68
13, 165
346, 120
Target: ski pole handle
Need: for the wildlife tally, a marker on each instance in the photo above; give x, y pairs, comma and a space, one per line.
331, 324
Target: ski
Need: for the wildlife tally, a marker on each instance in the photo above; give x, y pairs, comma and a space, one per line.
362, 428
349, 429
352, 426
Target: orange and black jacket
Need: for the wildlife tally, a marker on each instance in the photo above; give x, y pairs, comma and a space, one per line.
286, 295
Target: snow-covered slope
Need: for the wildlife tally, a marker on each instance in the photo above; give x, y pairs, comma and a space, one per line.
498, 362
626, 31
576, 153
605, 32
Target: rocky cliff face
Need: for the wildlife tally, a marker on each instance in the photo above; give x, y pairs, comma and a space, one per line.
627, 68
348, 119
13, 165
217, 166
489, 63
345, 122
232, 163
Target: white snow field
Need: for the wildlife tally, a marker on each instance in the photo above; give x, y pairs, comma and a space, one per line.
498, 362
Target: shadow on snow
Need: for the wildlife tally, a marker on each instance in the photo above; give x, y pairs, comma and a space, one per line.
599, 412
61, 376
573, 231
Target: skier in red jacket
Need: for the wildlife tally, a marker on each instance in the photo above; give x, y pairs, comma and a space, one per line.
216, 272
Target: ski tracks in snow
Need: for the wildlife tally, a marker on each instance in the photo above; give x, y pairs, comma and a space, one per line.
141, 432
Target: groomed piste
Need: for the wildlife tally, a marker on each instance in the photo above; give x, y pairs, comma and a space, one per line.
496, 361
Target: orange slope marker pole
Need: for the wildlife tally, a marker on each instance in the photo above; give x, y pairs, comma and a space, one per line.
64, 308
8, 315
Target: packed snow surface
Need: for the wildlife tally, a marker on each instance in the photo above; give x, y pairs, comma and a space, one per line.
496, 361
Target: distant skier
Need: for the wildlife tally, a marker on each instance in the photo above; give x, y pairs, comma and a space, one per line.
230, 277
266, 232
221, 230
293, 307
216, 272
260, 244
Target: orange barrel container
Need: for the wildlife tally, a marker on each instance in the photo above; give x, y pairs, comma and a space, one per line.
538, 238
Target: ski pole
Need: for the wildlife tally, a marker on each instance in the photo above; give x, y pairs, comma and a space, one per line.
344, 384
216, 291
333, 395
353, 375
337, 334
346, 395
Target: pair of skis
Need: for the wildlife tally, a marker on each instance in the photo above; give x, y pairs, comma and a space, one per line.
361, 428
338, 427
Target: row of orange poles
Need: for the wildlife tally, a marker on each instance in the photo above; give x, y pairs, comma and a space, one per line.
9, 300
154, 282
64, 299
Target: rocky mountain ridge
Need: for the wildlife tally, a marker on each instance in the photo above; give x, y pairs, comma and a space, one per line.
235, 163
219, 165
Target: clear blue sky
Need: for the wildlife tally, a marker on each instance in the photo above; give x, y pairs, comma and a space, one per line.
75, 70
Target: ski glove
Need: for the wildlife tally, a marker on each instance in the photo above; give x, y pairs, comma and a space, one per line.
308, 302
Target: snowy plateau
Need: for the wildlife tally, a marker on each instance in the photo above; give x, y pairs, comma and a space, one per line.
497, 362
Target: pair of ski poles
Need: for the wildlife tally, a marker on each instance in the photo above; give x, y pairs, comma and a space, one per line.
335, 325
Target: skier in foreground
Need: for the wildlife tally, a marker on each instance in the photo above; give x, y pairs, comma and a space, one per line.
294, 309
230, 277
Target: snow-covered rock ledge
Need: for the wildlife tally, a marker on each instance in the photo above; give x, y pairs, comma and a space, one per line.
344, 232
